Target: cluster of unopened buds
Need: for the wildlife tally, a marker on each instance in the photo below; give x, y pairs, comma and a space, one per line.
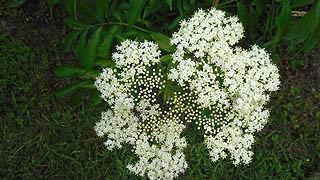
211, 84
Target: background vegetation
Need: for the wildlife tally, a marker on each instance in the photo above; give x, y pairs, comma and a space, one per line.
56, 48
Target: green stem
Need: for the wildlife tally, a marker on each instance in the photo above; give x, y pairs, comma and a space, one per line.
120, 23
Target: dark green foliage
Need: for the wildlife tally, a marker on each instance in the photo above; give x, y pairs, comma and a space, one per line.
97, 26
42, 137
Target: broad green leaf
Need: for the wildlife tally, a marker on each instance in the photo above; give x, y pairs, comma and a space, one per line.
152, 8
163, 41
135, 10
282, 21
90, 74
242, 13
312, 40
102, 7
169, 2
166, 59
94, 97
72, 88
299, 3
105, 63
81, 46
68, 71
104, 48
306, 24
75, 24
91, 49
180, 7
175, 22
69, 39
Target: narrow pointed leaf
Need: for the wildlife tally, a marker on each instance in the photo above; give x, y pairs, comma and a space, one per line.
91, 49
68, 71
163, 41
135, 11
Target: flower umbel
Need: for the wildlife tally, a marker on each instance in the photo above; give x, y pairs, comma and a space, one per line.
219, 87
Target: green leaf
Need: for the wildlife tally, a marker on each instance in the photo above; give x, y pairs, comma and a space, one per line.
68, 71
102, 7
169, 90
95, 97
169, 2
260, 6
92, 47
104, 48
302, 28
105, 63
163, 41
134, 11
69, 39
90, 74
312, 40
282, 21
300, 3
152, 8
72, 88
81, 46
75, 24
242, 13
166, 59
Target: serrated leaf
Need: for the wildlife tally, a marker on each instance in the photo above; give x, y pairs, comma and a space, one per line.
163, 41
68, 71
71, 88
135, 10
69, 39
81, 46
91, 49
104, 48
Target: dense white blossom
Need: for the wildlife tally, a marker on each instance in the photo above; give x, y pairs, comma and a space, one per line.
216, 85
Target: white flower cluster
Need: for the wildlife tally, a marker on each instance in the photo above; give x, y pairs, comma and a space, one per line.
222, 89
231, 82
135, 116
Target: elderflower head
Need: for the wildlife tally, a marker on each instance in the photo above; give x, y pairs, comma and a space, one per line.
219, 87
